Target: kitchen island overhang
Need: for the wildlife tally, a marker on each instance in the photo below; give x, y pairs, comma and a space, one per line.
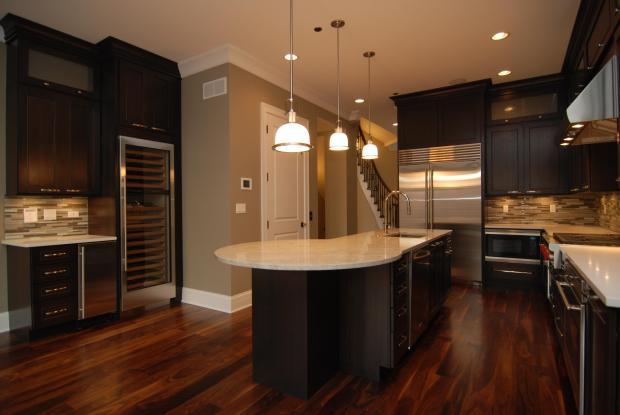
320, 306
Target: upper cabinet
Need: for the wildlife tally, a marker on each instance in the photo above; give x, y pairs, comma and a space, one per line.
149, 91
53, 123
441, 117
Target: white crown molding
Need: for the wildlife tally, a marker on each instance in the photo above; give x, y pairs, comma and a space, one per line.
220, 302
234, 55
4, 321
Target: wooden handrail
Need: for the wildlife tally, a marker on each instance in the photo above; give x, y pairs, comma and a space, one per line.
377, 186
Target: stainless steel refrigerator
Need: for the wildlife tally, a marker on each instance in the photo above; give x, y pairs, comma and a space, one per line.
445, 185
147, 222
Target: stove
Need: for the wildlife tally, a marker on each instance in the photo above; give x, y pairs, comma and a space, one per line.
588, 239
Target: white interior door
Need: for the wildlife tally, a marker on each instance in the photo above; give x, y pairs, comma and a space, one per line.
284, 189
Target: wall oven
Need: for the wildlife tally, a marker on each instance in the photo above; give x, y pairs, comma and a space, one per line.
507, 245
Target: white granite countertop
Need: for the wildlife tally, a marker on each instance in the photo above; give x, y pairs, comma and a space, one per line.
550, 228
35, 242
352, 251
600, 266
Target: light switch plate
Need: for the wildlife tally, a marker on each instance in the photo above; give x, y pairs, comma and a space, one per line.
505, 208
552, 208
49, 214
73, 214
240, 208
31, 215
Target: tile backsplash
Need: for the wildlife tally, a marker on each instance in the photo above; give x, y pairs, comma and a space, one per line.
14, 226
577, 209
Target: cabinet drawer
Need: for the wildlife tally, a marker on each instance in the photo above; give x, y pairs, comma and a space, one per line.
53, 272
54, 290
59, 253
400, 316
401, 344
52, 312
510, 275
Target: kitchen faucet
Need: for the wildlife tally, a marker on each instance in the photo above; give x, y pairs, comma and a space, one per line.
396, 193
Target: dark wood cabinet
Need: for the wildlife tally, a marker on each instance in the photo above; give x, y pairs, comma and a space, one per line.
53, 125
592, 167
441, 117
599, 35
57, 144
526, 158
513, 275
148, 99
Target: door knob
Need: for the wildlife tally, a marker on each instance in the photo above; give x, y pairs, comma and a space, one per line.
303, 224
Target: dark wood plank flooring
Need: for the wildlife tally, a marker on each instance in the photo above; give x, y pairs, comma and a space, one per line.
489, 352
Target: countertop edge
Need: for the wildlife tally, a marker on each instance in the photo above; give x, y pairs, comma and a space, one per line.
36, 243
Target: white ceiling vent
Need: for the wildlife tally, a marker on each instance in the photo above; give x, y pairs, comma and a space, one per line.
214, 88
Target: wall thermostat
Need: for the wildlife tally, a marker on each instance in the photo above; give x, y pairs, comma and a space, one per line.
246, 183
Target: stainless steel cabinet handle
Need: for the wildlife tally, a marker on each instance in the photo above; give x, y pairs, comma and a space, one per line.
402, 340
135, 124
600, 45
532, 191
55, 254
574, 189
432, 199
158, 129
82, 276
513, 192
55, 290
55, 272
567, 305
56, 311
512, 271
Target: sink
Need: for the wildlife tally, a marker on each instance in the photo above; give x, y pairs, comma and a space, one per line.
406, 235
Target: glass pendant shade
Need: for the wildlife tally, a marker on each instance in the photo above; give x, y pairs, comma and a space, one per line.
338, 141
292, 137
370, 151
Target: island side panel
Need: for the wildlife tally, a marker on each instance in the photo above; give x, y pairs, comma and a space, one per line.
294, 323
365, 329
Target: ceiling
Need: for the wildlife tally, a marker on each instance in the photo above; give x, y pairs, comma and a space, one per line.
420, 44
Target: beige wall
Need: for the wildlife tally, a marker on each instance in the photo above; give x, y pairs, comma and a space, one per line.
206, 193
365, 216
387, 165
336, 218
3, 273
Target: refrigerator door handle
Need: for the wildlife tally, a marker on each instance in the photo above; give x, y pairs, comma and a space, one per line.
81, 280
431, 200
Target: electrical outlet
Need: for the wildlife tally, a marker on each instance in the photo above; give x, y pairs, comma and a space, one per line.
240, 208
31, 215
73, 214
505, 208
552, 208
49, 214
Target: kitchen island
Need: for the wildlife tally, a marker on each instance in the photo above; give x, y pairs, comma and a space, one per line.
349, 303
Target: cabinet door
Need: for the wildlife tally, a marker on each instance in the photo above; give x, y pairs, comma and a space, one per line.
603, 165
417, 125
39, 115
503, 154
544, 170
420, 291
161, 102
460, 119
578, 169
599, 36
79, 159
132, 95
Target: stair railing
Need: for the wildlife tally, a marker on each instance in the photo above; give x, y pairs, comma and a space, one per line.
377, 186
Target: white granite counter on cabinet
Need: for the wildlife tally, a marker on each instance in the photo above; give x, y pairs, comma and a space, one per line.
600, 266
352, 251
34, 242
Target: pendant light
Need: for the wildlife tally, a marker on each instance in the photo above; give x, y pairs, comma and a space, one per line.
370, 150
291, 137
338, 141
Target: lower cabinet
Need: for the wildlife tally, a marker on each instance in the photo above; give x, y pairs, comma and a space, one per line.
513, 275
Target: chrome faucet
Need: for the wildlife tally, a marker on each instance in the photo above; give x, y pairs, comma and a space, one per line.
396, 193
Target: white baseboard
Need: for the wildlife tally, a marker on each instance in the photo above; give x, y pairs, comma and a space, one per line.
4, 321
215, 301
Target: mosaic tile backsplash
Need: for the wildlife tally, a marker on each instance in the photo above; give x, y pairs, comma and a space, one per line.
14, 226
578, 209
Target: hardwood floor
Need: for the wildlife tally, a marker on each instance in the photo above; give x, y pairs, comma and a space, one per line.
488, 352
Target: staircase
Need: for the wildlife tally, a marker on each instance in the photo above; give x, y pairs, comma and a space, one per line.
374, 187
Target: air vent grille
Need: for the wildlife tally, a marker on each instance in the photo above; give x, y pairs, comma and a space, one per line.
214, 88
465, 152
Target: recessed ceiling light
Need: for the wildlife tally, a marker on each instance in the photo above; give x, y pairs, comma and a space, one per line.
395, 124
288, 57
500, 35
564, 144
504, 72
569, 138
509, 109
359, 100
578, 125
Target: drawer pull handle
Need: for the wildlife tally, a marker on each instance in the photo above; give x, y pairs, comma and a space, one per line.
55, 254
512, 271
158, 129
56, 311
532, 191
55, 290
135, 124
55, 272
402, 289
513, 192
402, 312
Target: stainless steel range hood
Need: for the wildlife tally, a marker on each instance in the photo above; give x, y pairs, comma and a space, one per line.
597, 107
